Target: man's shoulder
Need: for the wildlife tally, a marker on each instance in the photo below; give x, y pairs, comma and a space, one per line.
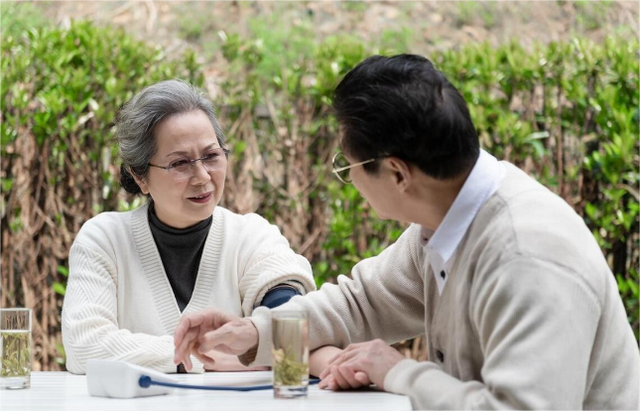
525, 221
522, 202
517, 183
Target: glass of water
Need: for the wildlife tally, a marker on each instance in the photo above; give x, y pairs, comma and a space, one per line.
290, 354
15, 348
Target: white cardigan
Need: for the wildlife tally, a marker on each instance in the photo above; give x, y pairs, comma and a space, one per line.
119, 303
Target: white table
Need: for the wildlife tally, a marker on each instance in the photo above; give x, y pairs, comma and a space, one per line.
53, 391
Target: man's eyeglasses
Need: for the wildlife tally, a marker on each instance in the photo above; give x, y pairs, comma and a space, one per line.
183, 168
341, 166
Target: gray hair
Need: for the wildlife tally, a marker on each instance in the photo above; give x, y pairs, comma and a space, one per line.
138, 118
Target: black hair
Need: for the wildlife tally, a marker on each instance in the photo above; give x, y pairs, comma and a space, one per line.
403, 106
128, 182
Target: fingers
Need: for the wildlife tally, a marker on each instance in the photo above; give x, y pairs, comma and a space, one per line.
190, 327
343, 377
208, 362
345, 370
185, 338
188, 322
340, 381
235, 337
328, 383
336, 359
344, 356
363, 378
183, 350
199, 333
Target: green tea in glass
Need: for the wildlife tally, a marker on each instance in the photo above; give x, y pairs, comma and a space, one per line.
15, 348
290, 354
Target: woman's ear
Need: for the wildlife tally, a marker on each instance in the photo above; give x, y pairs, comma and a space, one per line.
140, 182
401, 173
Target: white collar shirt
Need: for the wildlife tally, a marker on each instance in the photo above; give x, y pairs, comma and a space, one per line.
441, 245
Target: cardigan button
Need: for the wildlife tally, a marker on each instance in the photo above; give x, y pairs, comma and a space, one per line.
440, 355
443, 274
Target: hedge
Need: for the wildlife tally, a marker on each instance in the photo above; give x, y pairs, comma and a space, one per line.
567, 113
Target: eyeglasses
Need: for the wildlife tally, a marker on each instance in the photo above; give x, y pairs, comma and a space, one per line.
341, 166
184, 168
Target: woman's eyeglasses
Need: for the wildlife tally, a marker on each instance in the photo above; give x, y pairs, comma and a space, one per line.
183, 169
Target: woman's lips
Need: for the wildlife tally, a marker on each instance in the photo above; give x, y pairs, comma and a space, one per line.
201, 199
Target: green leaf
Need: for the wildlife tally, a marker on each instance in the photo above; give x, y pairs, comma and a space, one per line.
63, 270
59, 288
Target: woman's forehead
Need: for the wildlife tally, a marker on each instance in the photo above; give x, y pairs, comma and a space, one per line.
186, 131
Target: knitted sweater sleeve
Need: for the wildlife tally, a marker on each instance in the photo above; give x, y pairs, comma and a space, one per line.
383, 299
90, 322
268, 261
530, 316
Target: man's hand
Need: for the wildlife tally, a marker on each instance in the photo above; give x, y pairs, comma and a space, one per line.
219, 361
211, 329
360, 365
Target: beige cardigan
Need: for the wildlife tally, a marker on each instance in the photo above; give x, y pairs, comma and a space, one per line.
119, 303
530, 316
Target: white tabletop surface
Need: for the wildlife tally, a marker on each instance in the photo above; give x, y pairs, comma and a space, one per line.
53, 391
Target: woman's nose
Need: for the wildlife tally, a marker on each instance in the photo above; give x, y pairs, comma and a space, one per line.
200, 172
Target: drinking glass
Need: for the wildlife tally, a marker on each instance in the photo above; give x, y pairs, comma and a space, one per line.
15, 348
290, 354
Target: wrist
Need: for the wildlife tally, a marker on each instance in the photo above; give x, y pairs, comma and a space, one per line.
249, 356
319, 359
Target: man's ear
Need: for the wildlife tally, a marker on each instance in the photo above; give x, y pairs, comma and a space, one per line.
140, 182
401, 173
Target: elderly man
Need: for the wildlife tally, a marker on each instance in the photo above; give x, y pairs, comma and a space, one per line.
518, 305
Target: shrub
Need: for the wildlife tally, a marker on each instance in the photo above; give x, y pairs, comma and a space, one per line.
566, 112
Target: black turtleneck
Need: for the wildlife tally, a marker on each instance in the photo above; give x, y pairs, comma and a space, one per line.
180, 250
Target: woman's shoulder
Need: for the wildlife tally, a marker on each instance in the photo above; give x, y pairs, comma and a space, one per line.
242, 223
110, 225
110, 219
236, 218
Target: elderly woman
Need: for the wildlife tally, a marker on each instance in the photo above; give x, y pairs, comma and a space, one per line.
133, 274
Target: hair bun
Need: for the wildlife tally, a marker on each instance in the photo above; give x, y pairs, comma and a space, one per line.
128, 182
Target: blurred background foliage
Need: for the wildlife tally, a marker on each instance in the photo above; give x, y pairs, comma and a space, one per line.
565, 112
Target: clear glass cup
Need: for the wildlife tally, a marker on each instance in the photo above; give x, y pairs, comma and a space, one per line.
290, 354
15, 348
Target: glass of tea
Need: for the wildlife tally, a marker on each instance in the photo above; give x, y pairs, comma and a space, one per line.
15, 348
290, 354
